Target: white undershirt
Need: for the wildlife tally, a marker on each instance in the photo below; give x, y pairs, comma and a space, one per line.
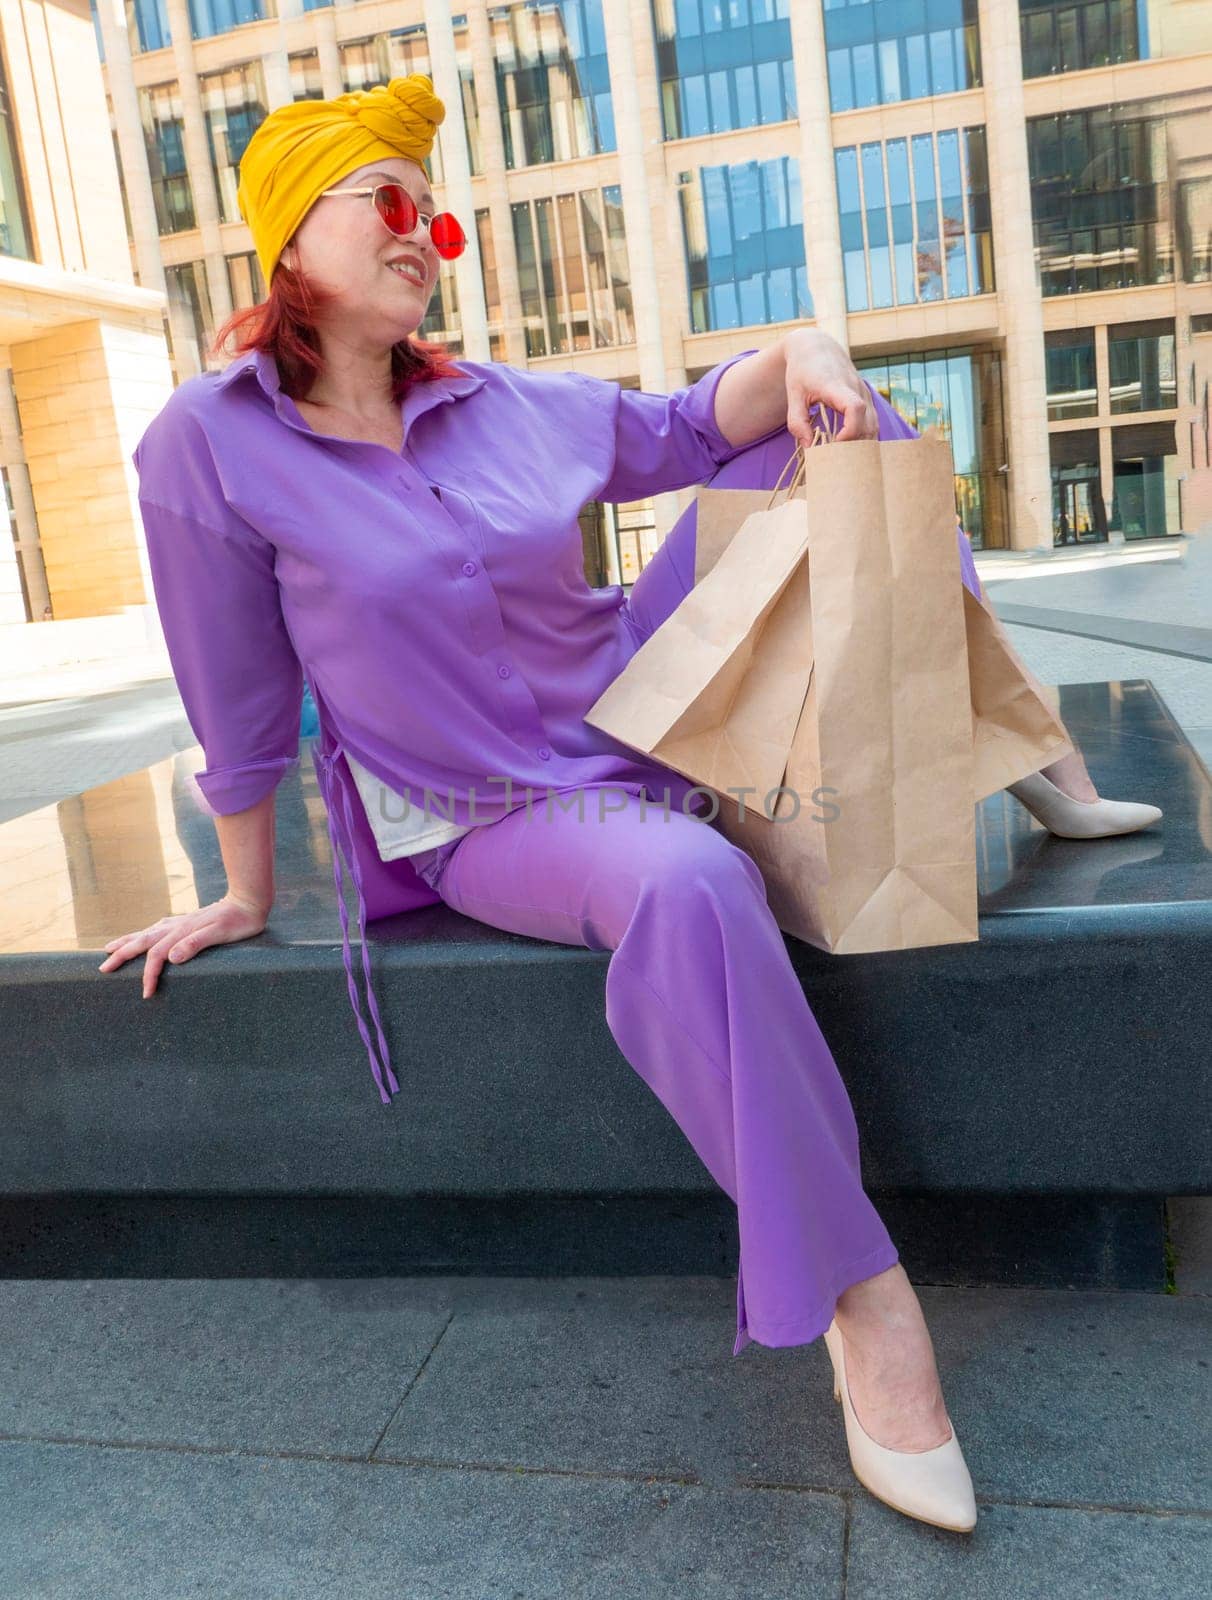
398, 836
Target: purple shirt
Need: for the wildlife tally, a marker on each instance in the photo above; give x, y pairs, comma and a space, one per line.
449, 639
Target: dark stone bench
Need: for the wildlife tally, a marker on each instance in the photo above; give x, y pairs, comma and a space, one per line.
1026, 1102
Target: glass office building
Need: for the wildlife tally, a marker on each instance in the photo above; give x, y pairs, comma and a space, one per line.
653, 188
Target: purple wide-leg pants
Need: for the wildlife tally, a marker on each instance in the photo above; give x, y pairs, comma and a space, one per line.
701, 996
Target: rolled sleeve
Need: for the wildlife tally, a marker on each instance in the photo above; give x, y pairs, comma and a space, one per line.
236, 669
665, 442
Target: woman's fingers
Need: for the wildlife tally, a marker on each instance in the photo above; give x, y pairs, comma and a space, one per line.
125, 946
154, 964
860, 421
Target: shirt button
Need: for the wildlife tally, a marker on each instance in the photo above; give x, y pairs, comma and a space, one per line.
545, 754
502, 671
470, 569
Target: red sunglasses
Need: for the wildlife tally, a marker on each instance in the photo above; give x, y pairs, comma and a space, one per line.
399, 212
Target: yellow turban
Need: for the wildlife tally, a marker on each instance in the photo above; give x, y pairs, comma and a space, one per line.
302, 149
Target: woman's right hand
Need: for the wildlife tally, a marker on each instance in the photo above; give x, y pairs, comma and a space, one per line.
178, 938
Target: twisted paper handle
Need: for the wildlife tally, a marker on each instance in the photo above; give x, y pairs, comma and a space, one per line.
822, 433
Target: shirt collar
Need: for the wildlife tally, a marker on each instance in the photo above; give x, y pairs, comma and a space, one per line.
419, 397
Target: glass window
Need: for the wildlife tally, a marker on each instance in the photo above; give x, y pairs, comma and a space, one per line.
467, 86
920, 237
745, 80
245, 281
899, 50
1194, 227
573, 272
233, 104
189, 300
147, 25
696, 121
958, 391
841, 85
488, 270
1099, 199
879, 248
1070, 377
162, 116
1072, 35
724, 56
744, 237
15, 237
305, 81
1145, 496
850, 218
442, 322
951, 196
901, 196
553, 85
929, 249
1141, 368
866, 84
208, 17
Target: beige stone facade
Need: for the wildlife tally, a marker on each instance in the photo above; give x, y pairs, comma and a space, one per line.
84, 361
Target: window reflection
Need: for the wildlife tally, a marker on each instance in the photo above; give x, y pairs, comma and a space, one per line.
245, 280
552, 80
442, 322
1070, 374
1194, 228
162, 115
1099, 199
147, 25
492, 286
14, 214
233, 104
743, 228
1071, 35
305, 80
189, 299
1141, 366
572, 271
914, 218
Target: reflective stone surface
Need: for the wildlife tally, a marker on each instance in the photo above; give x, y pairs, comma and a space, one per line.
117, 857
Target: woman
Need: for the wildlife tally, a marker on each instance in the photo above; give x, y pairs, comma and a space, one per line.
341, 504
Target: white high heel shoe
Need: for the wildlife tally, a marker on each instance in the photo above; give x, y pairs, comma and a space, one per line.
931, 1485
1079, 819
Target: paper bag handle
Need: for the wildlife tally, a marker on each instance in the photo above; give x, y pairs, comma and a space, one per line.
822, 433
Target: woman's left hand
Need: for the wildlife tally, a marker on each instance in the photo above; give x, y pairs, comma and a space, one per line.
818, 369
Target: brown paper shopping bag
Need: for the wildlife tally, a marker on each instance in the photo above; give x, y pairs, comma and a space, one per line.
1016, 728
836, 614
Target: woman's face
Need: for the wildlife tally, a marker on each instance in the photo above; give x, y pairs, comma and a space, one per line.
344, 245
